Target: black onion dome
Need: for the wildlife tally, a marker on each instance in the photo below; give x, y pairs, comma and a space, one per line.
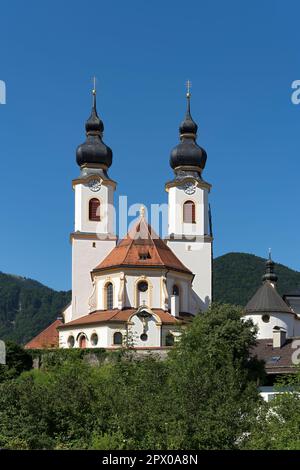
94, 150
188, 152
270, 274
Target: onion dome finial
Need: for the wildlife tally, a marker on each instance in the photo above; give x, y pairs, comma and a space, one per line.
270, 274
188, 153
94, 150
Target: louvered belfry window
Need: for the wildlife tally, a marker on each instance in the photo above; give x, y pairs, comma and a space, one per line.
189, 212
94, 210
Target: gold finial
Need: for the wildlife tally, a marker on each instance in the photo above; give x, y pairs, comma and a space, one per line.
94, 85
142, 211
188, 88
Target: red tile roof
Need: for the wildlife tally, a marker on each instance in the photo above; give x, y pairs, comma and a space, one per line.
122, 316
277, 360
47, 339
142, 247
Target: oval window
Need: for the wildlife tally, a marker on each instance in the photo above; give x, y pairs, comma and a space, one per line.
94, 339
266, 318
71, 341
143, 286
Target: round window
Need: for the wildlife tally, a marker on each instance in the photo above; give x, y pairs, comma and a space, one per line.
144, 337
266, 318
94, 339
143, 286
71, 341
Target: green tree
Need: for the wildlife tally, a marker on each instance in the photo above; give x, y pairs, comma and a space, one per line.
17, 361
213, 382
277, 423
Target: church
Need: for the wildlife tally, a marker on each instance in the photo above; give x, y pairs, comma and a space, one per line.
140, 291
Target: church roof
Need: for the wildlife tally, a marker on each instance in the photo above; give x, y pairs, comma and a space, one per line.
120, 316
277, 360
293, 293
267, 299
142, 247
48, 338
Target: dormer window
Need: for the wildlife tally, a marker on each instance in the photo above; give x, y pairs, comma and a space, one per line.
143, 256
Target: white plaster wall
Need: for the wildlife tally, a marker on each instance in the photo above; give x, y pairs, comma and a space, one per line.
101, 282
185, 291
156, 333
153, 298
83, 194
152, 329
282, 320
177, 197
85, 257
197, 257
101, 331
67, 313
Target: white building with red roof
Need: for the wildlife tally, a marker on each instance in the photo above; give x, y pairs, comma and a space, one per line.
140, 291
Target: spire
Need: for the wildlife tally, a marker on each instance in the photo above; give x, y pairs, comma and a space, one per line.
94, 125
270, 274
94, 150
188, 125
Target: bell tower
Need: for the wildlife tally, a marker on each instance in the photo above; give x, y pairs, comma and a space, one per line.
94, 232
189, 226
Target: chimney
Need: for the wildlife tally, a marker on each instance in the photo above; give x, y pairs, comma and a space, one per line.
175, 305
279, 337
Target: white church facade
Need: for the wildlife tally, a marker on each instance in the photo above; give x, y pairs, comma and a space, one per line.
139, 291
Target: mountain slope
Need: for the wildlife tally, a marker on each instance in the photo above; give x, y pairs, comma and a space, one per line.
238, 275
27, 307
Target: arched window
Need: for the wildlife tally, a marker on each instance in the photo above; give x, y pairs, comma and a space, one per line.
94, 209
175, 290
118, 338
189, 212
109, 296
82, 342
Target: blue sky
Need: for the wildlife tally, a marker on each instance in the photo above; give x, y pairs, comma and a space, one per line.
241, 58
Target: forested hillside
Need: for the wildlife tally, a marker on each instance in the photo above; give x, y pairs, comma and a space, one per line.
238, 275
27, 307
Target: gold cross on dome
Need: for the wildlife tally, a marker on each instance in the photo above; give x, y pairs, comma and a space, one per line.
188, 88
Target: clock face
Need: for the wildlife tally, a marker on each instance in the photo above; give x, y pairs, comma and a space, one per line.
94, 185
189, 187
